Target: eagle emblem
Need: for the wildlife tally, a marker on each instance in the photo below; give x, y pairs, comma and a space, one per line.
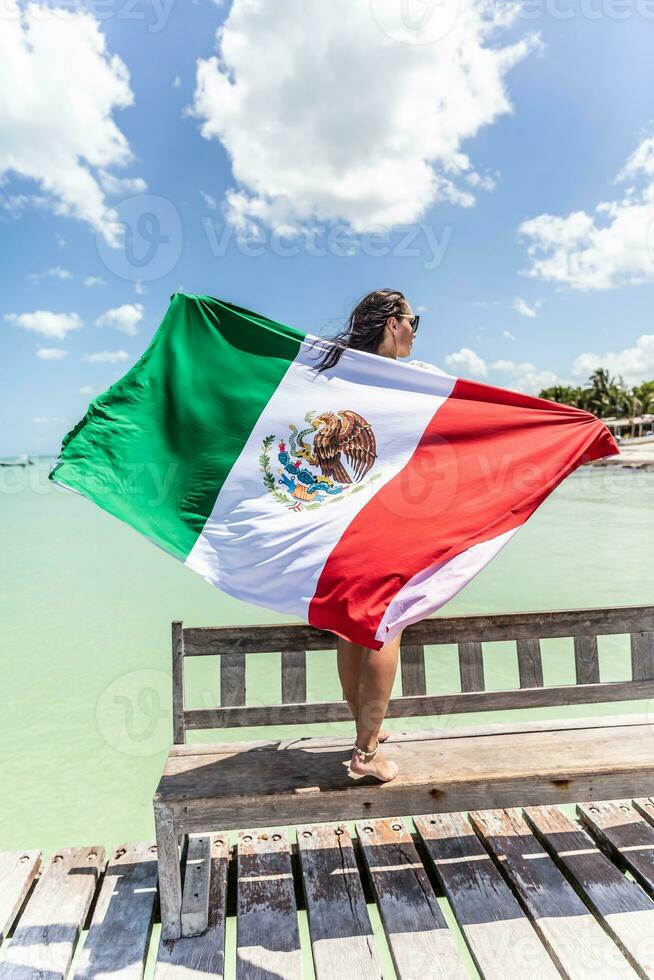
329, 459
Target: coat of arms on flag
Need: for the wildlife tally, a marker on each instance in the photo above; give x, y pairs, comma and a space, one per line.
310, 473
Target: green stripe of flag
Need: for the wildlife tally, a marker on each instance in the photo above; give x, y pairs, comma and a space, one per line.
155, 449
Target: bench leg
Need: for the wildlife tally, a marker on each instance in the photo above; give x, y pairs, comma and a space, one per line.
170, 881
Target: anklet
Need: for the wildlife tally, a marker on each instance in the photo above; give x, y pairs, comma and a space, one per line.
365, 756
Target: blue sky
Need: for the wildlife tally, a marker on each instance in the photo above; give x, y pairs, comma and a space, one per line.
463, 166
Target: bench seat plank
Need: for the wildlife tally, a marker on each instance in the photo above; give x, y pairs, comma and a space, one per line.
267, 931
342, 939
201, 957
502, 941
307, 780
421, 945
48, 930
572, 934
119, 935
18, 869
625, 910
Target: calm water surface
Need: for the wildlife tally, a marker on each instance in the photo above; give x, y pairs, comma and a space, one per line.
86, 606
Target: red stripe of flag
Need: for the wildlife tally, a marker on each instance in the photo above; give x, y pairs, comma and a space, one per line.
487, 459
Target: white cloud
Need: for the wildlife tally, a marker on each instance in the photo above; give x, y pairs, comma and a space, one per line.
139, 288
106, 357
466, 360
45, 322
86, 390
209, 200
177, 81
52, 353
56, 272
612, 247
525, 377
112, 184
634, 364
124, 318
523, 308
57, 129
357, 125
45, 419
508, 335
94, 281
426, 366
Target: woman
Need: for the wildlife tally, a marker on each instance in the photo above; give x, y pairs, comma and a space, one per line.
382, 323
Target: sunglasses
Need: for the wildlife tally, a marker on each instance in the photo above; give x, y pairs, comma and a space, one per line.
413, 321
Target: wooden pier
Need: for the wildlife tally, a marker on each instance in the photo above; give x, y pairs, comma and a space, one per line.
517, 893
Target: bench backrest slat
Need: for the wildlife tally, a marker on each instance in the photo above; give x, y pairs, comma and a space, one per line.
412, 667
471, 666
469, 634
530, 663
294, 676
232, 679
586, 660
642, 656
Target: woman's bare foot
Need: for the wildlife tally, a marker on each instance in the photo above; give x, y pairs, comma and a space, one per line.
379, 766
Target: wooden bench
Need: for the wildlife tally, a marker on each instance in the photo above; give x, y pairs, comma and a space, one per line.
226, 785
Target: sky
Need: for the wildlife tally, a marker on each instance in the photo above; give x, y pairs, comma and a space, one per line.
494, 162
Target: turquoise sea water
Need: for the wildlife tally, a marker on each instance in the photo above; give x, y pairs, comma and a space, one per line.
85, 612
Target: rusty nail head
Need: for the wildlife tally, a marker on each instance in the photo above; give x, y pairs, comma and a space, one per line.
306, 833
277, 836
397, 826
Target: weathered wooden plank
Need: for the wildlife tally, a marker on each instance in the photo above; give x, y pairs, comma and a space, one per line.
170, 878
471, 666
179, 735
197, 878
341, 934
586, 660
119, 935
412, 665
294, 676
422, 705
47, 932
420, 942
626, 911
232, 680
444, 732
571, 933
210, 641
502, 941
267, 932
645, 806
625, 834
530, 664
201, 957
301, 781
18, 869
642, 655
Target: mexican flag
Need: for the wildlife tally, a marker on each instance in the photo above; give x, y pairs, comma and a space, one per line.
360, 499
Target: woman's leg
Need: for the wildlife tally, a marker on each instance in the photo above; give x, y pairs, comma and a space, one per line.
376, 678
350, 658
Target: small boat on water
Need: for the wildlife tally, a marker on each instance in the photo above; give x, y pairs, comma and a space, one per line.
19, 461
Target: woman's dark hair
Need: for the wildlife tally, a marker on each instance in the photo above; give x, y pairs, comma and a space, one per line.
365, 325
